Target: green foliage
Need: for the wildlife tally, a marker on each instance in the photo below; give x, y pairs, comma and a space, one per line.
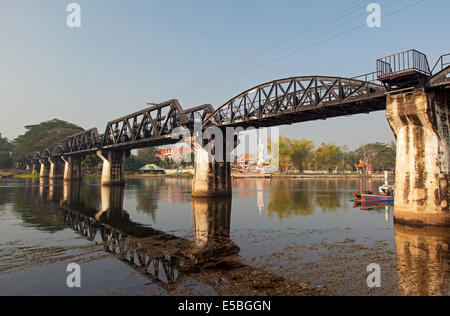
381, 156
294, 152
327, 156
44, 135
91, 163
133, 164
147, 156
6, 148
301, 155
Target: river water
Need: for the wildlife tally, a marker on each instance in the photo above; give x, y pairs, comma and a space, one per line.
139, 239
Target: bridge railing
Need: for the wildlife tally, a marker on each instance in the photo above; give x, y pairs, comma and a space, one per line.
371, 77
442, 63
411, 60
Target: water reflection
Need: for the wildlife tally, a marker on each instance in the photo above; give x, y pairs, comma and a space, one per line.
292, 198
423, 260
170, 190
165, 258
98, 214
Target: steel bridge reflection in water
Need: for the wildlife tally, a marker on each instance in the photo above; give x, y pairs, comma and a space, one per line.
167, 259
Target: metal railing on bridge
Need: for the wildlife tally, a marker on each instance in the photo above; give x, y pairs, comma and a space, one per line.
371, 77
442, 63
411, 61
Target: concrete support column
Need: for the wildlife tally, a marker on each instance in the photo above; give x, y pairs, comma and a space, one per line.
56, 168
36, 168
72, 168
211, 178
45, 168
113, 167
420, 122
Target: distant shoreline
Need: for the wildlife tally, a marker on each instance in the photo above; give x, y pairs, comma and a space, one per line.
236, 176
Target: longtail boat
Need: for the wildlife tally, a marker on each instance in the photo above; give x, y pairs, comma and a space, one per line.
370, 197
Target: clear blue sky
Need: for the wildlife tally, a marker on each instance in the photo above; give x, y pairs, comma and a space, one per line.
128, 53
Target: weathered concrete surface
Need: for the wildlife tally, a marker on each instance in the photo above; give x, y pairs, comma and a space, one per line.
72, 168
211, 178
56, 168
113, 167
45, 169
423, 262
420, 122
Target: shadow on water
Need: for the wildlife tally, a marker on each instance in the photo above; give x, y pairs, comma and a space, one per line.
165, 259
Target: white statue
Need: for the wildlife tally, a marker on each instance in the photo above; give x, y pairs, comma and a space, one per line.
261, 160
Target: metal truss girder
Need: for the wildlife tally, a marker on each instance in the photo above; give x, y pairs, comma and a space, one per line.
297, 93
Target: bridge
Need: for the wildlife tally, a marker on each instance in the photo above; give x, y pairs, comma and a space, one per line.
414, 95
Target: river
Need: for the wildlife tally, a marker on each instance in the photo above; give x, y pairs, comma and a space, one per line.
151, 238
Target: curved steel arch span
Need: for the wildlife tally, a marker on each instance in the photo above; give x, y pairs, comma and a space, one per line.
299, 99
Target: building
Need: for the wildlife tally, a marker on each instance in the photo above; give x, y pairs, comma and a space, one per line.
364, 167
246, 161
174, 153
152, 168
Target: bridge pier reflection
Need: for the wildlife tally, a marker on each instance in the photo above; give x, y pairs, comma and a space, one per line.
112, 204
212, 243
423, 261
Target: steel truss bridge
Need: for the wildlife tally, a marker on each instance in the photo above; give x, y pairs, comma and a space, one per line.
279, 102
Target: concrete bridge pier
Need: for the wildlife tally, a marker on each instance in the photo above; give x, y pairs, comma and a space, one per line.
56, 170
113, 166
45, 168
420, 121
36, 168
72, 168
211, 177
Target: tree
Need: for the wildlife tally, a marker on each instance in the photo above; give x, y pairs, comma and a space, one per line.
6, 148
367, 153
45, 135
293, 152
133, 164
327, 157
301, 153
350, 160
147, 156
91, 162
381, 156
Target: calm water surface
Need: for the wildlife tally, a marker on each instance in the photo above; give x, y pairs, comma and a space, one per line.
137, 240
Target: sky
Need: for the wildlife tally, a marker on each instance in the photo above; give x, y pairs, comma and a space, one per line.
129, 53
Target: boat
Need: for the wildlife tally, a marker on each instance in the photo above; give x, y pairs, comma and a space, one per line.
367, 206
370, 197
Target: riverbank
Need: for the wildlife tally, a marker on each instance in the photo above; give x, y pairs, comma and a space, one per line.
14, 174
